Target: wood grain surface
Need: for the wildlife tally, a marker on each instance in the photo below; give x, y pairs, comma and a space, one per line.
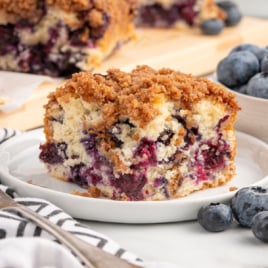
186, 50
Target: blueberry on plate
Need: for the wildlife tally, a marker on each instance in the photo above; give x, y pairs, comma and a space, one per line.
212, 26
237, 68
258, 86
260, 226
233, 14
247, 202
215, 217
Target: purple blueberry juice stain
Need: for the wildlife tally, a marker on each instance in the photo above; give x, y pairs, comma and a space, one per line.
53, 153
91, 177
9, 40
153, 15
161, 183
39, 58
76, 176
83, 176
165, 136
213, 158
131, 184
145, 153
221, 121
89, 143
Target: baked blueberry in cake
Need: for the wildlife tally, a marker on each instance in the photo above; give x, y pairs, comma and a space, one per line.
60, 37
144, 135
177, 13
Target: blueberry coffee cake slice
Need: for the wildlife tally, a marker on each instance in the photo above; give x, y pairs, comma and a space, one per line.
144, 135
60, 37
176, 13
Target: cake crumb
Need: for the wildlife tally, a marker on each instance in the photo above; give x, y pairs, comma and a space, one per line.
233, 188
91, 192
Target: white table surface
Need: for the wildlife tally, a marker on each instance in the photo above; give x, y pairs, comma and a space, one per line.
257, 8
187, 244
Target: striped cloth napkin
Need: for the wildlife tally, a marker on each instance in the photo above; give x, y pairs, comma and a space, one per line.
35, 248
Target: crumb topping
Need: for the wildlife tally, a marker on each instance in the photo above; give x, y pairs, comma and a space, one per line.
71, 5
25, 8
22, 8
137, 94
31, 8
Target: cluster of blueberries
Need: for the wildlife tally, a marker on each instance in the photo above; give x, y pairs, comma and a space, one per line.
215, 26
249, 207
245, 70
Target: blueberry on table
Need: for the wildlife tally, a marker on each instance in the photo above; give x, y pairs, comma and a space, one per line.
258, 86
212, 26
247, 202
233, 14
260, 226
215, 217
237, 68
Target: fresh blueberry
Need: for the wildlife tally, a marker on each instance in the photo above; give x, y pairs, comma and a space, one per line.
233, 14
241, 89
215, 217
225, 4
263, 54
264, 64
247, 202
260, 226
258, 86
257, 51
212, 26
237, 68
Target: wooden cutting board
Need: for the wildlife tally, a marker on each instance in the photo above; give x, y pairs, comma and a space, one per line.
186, 50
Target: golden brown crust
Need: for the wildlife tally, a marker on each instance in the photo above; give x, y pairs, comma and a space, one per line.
26, 8
136, 94
209, 10
31, 9
21, 6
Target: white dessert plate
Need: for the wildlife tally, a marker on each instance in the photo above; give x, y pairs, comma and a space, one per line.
19, 165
